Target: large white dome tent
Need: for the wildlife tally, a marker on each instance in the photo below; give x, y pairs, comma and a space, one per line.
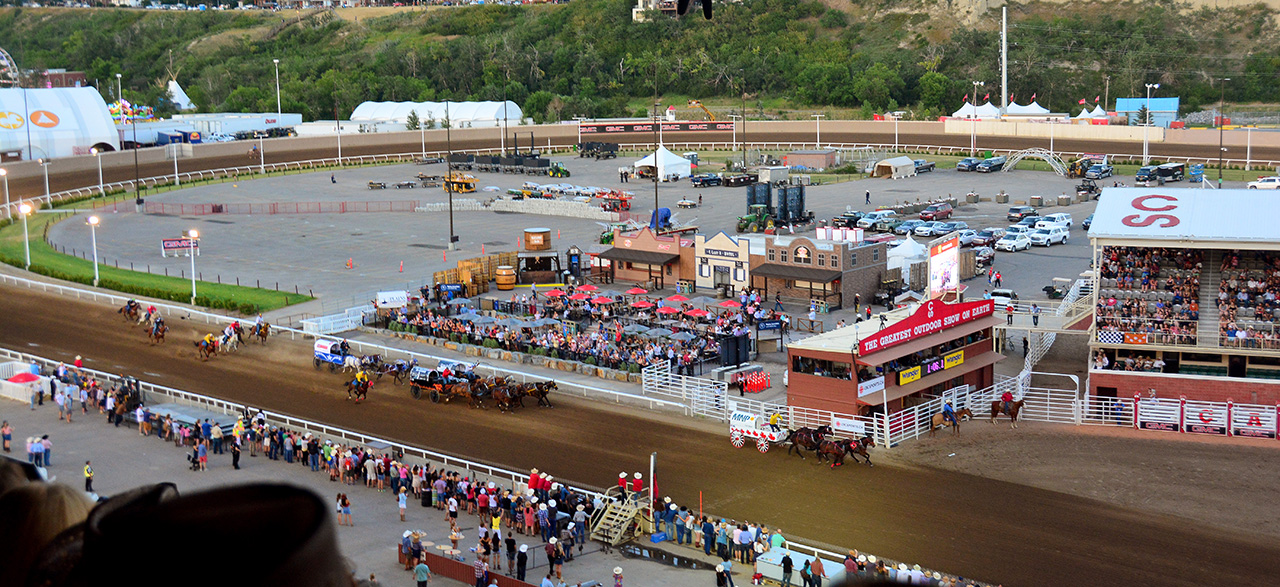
460, 114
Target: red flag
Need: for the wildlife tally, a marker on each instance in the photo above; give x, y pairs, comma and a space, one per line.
1096, 99
1011, 97
1082, 100
987, 97
1033, 97
965, 99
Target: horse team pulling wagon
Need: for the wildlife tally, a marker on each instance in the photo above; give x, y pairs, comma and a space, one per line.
745, 425
327, 351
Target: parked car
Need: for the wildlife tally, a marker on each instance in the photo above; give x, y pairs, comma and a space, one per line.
1088, 221
1003, 297
1265, 183
1017, 213
936, 211
887, 223
870, 219
955, 225
990, 165
1013, 242
987, 236
1016, 229
1145, 174
705, 180
966, 237
968, 164
848, 219
930, 228
1030, 221
1063, 218
907, 226
923, 166
984, 256
1046, 237
1099, 171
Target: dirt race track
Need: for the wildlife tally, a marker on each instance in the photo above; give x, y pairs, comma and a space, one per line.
995, 530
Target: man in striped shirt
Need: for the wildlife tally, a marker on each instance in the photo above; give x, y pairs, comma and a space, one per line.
482, 569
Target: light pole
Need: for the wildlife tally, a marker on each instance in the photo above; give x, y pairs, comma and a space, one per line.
278, 110
448, 171
24, 209
45, 165
262, 155
1221, 122
8, 210
98, 155
735, 118
657, 122
120, 92
194, 235
93, 236
422, 130
973, 121
817, 118
1146, 124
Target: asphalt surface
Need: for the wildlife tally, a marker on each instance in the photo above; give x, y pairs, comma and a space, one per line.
992, 530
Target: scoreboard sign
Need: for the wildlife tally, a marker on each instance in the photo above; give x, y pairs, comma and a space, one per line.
599, 128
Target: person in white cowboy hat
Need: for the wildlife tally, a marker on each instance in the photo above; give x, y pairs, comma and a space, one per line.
544, 521
622, 483
522, 561
555, 556
580, 518
722, 578
566, 540
617, 576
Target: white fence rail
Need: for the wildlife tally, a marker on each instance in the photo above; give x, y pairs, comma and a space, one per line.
351, 319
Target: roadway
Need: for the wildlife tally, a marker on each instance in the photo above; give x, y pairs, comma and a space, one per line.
993, 530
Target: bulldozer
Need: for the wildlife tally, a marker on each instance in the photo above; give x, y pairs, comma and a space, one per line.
757, 220
698, 104
558, 170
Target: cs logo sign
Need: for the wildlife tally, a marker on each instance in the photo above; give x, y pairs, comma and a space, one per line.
1153, 203
10, 120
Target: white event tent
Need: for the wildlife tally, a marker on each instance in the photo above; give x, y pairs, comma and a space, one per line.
668, 164
987, 110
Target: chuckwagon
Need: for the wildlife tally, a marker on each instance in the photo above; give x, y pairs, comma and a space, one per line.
434, 381
745, 425
327, 351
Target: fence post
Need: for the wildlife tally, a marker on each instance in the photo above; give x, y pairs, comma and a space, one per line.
884, 421
1137, 397
1182, 414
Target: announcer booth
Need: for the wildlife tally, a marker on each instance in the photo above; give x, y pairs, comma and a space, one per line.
895, 361
1205, 328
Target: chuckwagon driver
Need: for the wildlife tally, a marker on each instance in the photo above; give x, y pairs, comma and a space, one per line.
775, 421
344, 348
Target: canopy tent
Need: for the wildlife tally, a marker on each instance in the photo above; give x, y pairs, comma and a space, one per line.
906, 254
1032, 109
64, 122
179, 98
1097, 112
987, 110
668, 164
459, 114
895, 167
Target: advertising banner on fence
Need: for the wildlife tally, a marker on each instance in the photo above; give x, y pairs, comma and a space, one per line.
393, 299
595, 128
1253, 421
1154, 414
1206, 418
848, 426
173, 245
871, 386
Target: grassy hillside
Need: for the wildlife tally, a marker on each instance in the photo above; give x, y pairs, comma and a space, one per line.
588, 58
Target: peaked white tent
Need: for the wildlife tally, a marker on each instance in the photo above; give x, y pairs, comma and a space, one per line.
1032, 109
1084, 113
907, 253
667, 163
179, 97
460, 114
987, 110
895, 167
1098, 112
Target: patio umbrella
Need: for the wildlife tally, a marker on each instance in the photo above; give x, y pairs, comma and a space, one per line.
634, 328
484, 319
683, 336
578, 297
677, 298
636, 291
511, 322
459, 302
641, 304
697, 312
658, 332
588, 287
668, 310
555, 293
465, 317
602, 300
546, 322
702, 301
729, 304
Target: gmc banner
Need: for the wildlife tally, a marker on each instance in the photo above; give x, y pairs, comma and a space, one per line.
596, 128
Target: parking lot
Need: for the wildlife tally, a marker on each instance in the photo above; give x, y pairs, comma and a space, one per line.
310, 251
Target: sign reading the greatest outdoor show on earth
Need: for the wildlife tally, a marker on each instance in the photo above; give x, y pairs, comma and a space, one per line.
932, 317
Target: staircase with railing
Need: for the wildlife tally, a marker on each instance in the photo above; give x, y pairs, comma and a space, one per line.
623, 518
1210, 281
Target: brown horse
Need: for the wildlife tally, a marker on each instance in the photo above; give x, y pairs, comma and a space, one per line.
859, 447
205, 349
962, 414
997, 409
834, 451
261, 331
358, 390
156, 335
539, 391
130, 312
806, 438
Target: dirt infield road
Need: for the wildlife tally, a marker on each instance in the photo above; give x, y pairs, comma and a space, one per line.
990, 529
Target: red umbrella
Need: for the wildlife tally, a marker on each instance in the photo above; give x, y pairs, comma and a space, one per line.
555, 293
580, 296
667, 310
635, 291
603, 300
642, 304
23, 378
697, 312
729, 304
677, 298
588, 287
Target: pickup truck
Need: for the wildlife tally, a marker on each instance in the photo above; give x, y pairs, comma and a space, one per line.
705, 180
968, 164
923, 166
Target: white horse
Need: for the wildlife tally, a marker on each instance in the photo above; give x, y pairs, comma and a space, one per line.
351, 363
229, 344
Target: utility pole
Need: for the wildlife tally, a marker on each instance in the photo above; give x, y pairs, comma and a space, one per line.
1222, 120
448, 167
817, 118
1106, 94
1146, 124
1004, 60
657, 121
973, 121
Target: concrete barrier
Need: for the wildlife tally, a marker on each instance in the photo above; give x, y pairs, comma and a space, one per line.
467, 205
555, 208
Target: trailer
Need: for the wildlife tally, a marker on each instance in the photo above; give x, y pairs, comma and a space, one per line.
462, 161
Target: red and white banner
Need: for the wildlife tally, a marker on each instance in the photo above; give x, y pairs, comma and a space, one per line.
1254, 421
1201, 417
597, 128
931, 317
1205, 417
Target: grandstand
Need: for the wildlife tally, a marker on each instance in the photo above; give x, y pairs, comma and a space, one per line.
1188, 302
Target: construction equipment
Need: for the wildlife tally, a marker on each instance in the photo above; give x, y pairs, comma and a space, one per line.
1089, 188
558, 170
616, 201
460, 183
698, 104
757, 220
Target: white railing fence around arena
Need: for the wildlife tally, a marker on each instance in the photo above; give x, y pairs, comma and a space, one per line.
367, 348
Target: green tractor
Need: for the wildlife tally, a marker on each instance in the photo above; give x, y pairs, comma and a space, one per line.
758, 220
558, 170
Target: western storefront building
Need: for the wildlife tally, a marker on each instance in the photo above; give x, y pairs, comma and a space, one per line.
721, 261
802, 269
896, 359
643, 257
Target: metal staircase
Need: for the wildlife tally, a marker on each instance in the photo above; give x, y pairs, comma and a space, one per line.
1056, 163
623, 518
1210, 281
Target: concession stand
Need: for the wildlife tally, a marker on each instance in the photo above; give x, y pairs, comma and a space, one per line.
895, 359
644, 257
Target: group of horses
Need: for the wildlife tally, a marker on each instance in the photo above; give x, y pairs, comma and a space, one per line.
964, 414
228, 344
507, 394
818, 440
132, 313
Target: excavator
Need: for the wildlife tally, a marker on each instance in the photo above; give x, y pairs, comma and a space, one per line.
698, 104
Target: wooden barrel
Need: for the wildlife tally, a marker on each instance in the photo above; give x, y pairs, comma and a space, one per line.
537, 239
506, 277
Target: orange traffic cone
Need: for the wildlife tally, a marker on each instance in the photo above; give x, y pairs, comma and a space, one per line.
350, 263
402, 266
481, 248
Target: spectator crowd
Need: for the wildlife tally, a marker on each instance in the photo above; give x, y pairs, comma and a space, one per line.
1247, 299
1150, 291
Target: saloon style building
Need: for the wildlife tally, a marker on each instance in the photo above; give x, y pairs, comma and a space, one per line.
924, 349
830, 272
